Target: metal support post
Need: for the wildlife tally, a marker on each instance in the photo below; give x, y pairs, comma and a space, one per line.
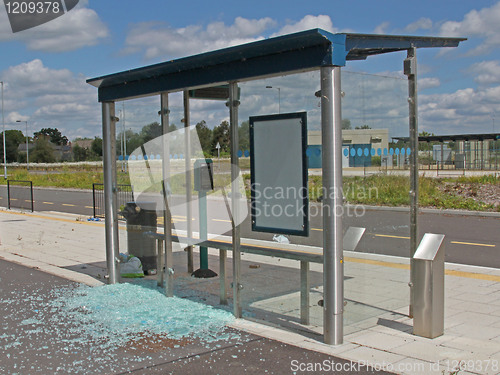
430, 157
110, 200
442, 156
465, 157
187, 158
410, 70
496, 149
167, 216
233, 122
482, 155
160, 261
202, 209
223, 276
27, 148
4, 149
8, 194
333, 263
304, 292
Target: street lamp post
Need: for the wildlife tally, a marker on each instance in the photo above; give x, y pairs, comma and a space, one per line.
279, 96
27, 147
4, 150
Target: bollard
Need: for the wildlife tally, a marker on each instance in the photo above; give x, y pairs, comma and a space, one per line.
428, 287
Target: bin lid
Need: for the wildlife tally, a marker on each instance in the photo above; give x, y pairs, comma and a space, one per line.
429, 246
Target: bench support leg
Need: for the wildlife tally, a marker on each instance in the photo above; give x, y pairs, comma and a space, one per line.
304, 292
190, 263
169, 270
223, 276
160, 276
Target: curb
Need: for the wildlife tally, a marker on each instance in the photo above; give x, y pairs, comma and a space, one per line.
51, 269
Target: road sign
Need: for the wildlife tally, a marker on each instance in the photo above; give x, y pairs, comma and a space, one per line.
218, 150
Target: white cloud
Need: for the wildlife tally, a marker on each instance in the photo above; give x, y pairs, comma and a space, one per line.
421, 24
12, 117
35, 79
159, 40
308, 22
487, 72
382, 28
50, 98
484, 23
463, 111
80, 27
426, 83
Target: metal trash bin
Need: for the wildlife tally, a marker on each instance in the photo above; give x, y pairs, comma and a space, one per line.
141, 218
428, 287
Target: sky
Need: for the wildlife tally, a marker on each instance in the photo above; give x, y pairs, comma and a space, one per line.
44, 68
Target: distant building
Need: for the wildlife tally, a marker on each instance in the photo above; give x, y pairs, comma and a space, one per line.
83, 143
22, 147
63, 152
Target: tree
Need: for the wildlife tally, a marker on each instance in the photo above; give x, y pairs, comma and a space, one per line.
16, 136
54, 136
244, 136
13, 138
43, 151
151, 131
134, 141
205, 137
96, 146
80, 153
221, 135
346, 124
362, 127
10, 149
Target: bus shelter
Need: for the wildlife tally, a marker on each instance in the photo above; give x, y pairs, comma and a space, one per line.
219, 73
459, 151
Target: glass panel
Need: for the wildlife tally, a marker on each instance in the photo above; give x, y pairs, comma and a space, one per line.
376, 173
272, 279
197, 191
139, 123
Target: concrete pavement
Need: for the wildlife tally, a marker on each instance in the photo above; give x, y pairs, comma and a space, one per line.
377, 328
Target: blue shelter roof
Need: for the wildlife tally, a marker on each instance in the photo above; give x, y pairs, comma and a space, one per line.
297, 52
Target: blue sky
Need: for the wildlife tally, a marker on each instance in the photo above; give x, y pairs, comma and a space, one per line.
44, 68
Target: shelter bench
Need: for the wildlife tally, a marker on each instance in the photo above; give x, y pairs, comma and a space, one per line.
302, 253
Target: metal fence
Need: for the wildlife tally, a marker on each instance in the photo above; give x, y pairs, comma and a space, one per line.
20, 194
124, 195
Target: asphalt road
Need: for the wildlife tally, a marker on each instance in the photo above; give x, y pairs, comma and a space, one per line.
472, 240
33, 342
